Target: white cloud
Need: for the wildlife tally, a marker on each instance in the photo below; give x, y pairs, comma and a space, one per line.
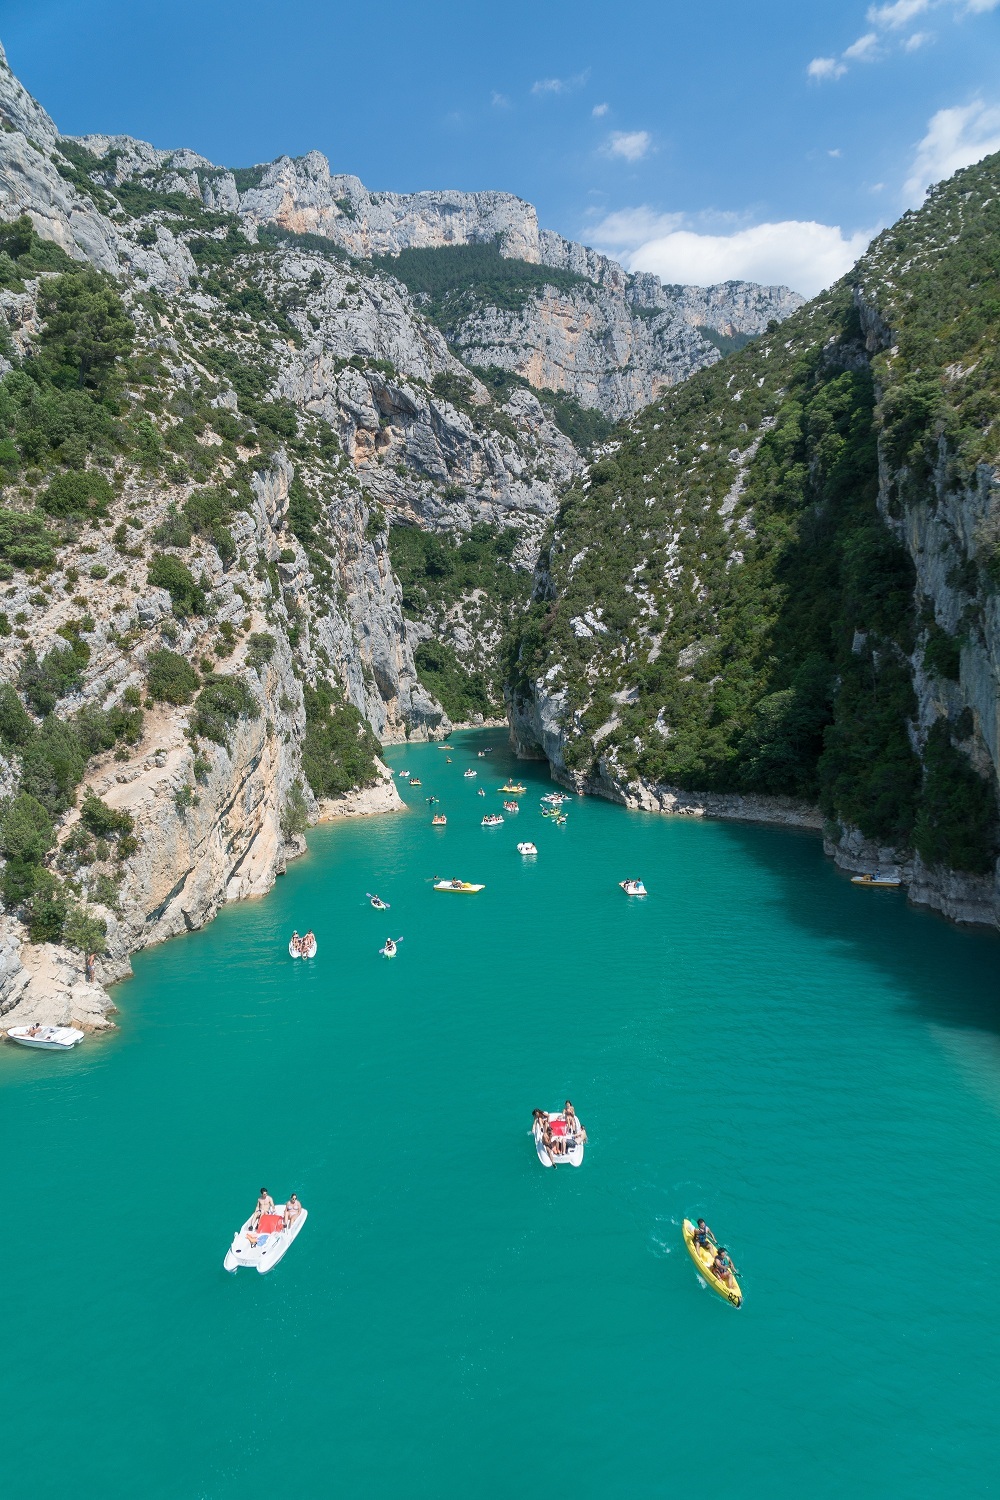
918, 39
798, 253
631, 144
560, 85
955, 138
825, 67
899, 14
836, 151
499, 101
599, 110
865, 49
628, 228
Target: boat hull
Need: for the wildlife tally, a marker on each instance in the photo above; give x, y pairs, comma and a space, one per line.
269, 1249
573, 1155
50, 1039
703, 1260
309, 953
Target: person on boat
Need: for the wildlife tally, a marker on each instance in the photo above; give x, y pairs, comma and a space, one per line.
573, 1126
296, 942
34, 1030
390, 948
722, 1267
292, 1210
307, 942
456, 885
703, 1236
265, 1203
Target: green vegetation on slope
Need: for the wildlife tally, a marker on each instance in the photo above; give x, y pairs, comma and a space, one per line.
339, 749
731, 610
452, 281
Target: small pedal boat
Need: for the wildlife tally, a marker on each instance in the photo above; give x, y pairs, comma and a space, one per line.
415, 781
573, 1154
310, 952
469, 774
463, 886
438, 820
263, 1248
402, 774
513, 786
883, 882
526, 848
47, 1038
491, 820
633, 887
703, 1259
511, 807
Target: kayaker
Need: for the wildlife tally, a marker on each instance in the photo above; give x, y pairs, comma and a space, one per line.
573, 1125
265, 1203
703, 1236
292, 1210
722, 1267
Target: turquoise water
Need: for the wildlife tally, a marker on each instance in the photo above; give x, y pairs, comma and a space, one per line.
813, 1067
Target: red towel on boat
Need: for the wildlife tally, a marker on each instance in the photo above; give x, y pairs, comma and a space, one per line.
558, 1127
270, 1223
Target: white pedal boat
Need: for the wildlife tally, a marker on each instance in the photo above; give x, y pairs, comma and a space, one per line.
526, 848
573, 1156
48, 1038
310, 952
633, 887
271, 1242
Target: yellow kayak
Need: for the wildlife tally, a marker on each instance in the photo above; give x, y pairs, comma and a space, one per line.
703, 1260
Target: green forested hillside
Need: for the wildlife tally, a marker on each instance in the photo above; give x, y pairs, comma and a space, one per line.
734, 606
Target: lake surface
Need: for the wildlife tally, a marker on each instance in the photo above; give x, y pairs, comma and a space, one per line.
813, 1067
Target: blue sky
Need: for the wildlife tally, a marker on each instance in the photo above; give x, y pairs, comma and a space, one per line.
698, 140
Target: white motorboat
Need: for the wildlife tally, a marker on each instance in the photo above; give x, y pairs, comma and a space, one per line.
48, 1038
469, 774
633, 887
526, 848
572, 1156
402, 774
883, 882
310, 952
263, 1247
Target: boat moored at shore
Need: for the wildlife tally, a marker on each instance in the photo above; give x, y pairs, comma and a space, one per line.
47, 1038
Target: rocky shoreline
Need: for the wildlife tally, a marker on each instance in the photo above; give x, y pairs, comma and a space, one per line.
967, 900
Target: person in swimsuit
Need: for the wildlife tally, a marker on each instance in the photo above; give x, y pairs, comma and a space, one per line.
265, 1204
292, 1210
296, 942
573, 1126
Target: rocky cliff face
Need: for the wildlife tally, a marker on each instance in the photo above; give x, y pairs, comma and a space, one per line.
781, 581
611, 345
279, 410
